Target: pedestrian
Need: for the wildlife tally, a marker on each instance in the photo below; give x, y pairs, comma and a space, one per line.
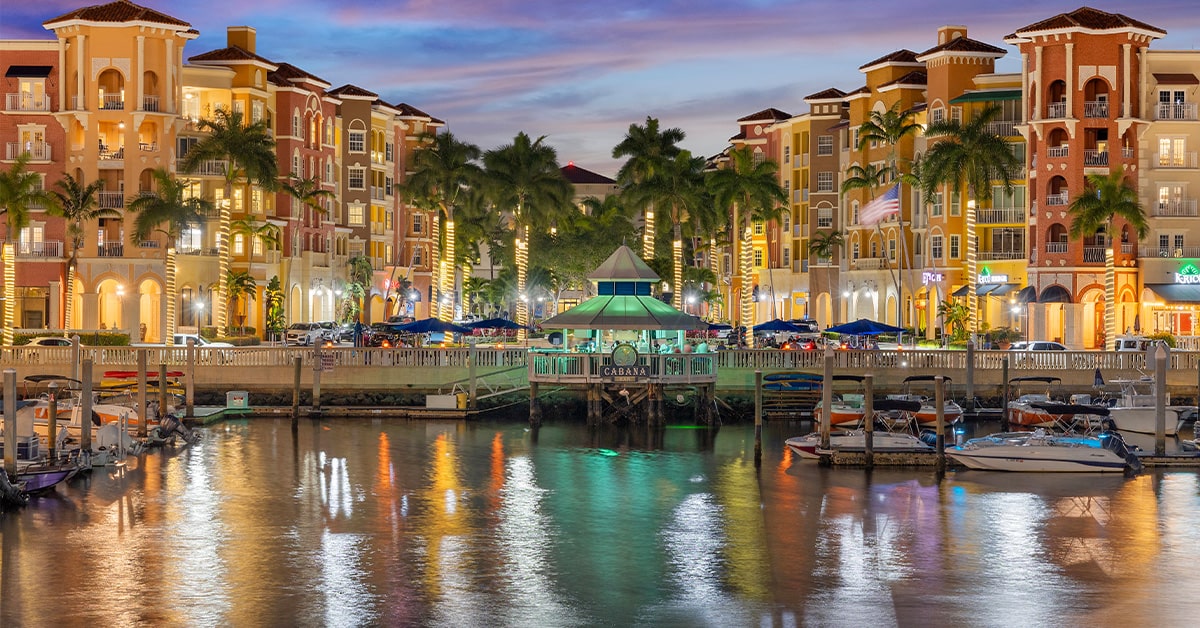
358, 333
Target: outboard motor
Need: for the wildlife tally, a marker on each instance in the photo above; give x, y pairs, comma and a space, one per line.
1113, 442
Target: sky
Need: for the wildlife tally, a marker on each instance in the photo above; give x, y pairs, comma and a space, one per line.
580, 72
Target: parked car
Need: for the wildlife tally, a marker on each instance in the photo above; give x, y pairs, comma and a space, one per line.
1038, 345
378, 334
182, 339
328, 330
344, 333
49, 341
304, 334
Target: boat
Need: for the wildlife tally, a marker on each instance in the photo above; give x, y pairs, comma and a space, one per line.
846, 408
1024, 409
34, 471
809, 446
951, 411
1045, 451
1133, 410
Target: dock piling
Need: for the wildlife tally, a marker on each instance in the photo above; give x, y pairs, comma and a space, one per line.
10, 421
971, 375
1160, 399
52, 418
940, 403
297, 361
85, 406
141, 392
1004, 395
758, 417
826, 398
162, 391
869, 418
316, 381
189, 390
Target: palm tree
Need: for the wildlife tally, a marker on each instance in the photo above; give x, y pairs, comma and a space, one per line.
524, 178
360, 270
239, 285
170, 210
648, 149
308, 193
973, 155
248, 151
1103, 200
751, 189
955, 316
825, 243
20, 190
442, 169
264, 232
678, 184
76, 204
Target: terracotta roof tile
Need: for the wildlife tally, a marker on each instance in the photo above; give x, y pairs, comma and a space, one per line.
583, 176
352, 90
1087, 18
963, 44
900, 56
827, 94
766, 114
862, 90
232, 53
286, 73
912, 78
410, 111
739, 136
119, 11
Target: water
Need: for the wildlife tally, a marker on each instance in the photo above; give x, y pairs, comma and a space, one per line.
371, 522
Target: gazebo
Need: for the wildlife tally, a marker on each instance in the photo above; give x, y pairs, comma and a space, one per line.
620, 347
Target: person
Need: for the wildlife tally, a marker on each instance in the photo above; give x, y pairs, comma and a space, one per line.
358, 333
702, 347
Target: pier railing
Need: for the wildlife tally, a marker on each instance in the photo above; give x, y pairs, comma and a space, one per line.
582, 368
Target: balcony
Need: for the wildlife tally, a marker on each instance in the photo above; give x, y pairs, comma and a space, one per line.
1126, 249
39, 249
1058, 151
1003, 128
150, 103
149, 244
798, 231
377, 193
1095, 109
1174, 160
1056, 110
37, 151
1061, 199
1127, 153
870, 263
210, 168
1007, 215
111, 155
24, 101
1093, 157
1056, 247
1175, 111
110, 200
112, 101
998, 256
1094, 254
1167, 251
110, 249
1178, 208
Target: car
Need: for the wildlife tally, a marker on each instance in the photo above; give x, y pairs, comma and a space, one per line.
1038, 345
344, 333
379, 335
328, 330
49, 341
181, 340
304, 334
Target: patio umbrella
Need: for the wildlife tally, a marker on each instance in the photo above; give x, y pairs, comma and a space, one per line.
778, 325
427, 325
865, 327
719, 326
496, 323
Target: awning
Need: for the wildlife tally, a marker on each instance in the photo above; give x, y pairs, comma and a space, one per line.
990, 289
1028, 294
1055, 294
28, 71
988, 96
1003, 289
1176, 79
1176, 293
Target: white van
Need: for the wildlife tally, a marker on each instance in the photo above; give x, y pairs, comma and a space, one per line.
1132, 343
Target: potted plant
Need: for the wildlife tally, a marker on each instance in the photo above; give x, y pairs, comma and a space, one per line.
1005, 336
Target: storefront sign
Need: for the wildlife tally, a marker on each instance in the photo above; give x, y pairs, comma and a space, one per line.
635, 371
929, 277
986, 277
1189, 274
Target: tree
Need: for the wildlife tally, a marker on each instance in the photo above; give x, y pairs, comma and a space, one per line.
524, 178
76, 203
751, 189
359, 270
169, 210
648, 149
442, 169
273, 304
973, 155
309, 194
248, 153
264, 232
1103, 200
241, 287
955, 316
825, 243
678, 184
20, 190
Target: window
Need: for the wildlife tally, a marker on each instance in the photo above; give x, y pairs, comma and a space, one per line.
192, 239
916, 244
357, 178
256, 112
1171, 151
758, 227
787, 256
184, 144
935, 208
297, 131
32, 95
824, 145
296, 165
759, 157
954, 245
955, 204
31, 241
358, 141
956, 114
418, 224
389, 151
824, 218
892, 249
416, 258
758, 258
787, 154
824, 182
256, 201
1004, 200
935, 247
854, 251
258, 246
874, 249
239, 106
354, 214
239, 244
854, 214
389, 185
937, 115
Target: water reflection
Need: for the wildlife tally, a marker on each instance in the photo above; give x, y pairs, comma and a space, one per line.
371, 522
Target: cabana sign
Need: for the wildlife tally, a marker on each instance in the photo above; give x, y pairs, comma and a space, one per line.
635, 371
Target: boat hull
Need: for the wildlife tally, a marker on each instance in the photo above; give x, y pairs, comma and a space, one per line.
1142, 420
1029, 459
809, 446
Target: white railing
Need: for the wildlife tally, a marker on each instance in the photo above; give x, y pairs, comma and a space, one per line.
45, 248
37, 151
1175, 111
1056, 247
1003, 128
24, 101
110, 200
870, 263
1056, 110
565, 368
995, 256
1174, 160
1000, 216
1176, 208
1062, 198
1169, 251
149, 103
1095, 109
1094, 254
1126, 248
1058, 151
1126, 153
1093, 157
112, 101
210, 168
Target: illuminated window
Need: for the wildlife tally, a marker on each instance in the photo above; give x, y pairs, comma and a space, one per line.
239, 245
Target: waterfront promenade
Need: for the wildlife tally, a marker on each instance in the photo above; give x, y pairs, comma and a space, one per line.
432, 370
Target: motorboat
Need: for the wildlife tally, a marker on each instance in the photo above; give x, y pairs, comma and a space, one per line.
1044, 451
1133, 410
846, 408
34, 471
1024, 409
809, 446
951, 411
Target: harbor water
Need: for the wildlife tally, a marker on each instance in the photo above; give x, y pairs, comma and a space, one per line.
369, 522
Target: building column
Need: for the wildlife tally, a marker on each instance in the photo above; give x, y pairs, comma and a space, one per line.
1039, 87
90, 316
80, 72
54, 312
169, 89
1070, 74
62, 67
138, 71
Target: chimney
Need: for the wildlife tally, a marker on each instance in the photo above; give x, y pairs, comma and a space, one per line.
946, 34
242, 37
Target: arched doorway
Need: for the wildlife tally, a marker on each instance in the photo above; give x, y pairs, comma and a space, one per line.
110, 304
150, 307
1092, 319
295, 305
824, 310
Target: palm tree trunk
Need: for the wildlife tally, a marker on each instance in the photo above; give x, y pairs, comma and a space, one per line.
10, 291
972, 275
648, 234
69, 306
714, 261
435, 266
677, 276
521, 254
220, 311
446, 310
169, 327
1110, 294
745, 299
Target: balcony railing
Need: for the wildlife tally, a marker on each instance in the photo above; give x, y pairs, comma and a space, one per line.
1095, 109
1056, 110
112, 155
1175, 111
1000, 216
110, 200
149, 103
112, 101
1003, 128
37, 151
1127, 153
1058, 200
1094, 254
1056, 247
1126, 248
211, 168
1058, 151
1175, 160
149, 244
45, 248
996, 256
870, 263
110, 249
23, 101
1183, 207
1093, 157
1169, 251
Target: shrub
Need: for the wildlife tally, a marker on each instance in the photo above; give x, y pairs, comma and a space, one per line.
1164, 336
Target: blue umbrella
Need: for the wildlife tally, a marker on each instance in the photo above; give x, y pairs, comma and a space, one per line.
496, 323
719, 326
778, 325
427, 325
864, 327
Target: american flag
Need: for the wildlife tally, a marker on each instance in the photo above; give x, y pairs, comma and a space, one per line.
882, 207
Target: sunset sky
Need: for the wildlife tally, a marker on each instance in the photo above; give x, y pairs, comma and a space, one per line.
580, 72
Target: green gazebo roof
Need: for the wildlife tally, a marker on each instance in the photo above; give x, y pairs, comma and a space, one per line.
624, 312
